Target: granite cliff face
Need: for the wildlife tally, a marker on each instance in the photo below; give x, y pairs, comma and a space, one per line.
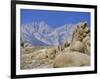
81, 31
75, 53
81, 38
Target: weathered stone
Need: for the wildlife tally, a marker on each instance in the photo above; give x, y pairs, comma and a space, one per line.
67, 50
87, 45
72, 59
77, 46
80, 32
51, 53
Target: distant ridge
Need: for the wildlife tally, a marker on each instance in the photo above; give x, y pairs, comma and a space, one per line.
40, 33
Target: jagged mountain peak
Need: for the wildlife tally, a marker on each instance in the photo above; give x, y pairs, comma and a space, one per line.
46, 34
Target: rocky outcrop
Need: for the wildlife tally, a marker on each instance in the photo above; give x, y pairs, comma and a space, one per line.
47, 55
77, 46
72, 59
81, 39
64, 45
87, 45
81, 31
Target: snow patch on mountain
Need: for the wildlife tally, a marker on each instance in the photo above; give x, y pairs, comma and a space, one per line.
46, 34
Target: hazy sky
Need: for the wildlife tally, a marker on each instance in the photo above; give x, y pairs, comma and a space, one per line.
54, 18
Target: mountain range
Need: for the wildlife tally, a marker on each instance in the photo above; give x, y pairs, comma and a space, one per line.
40, 33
